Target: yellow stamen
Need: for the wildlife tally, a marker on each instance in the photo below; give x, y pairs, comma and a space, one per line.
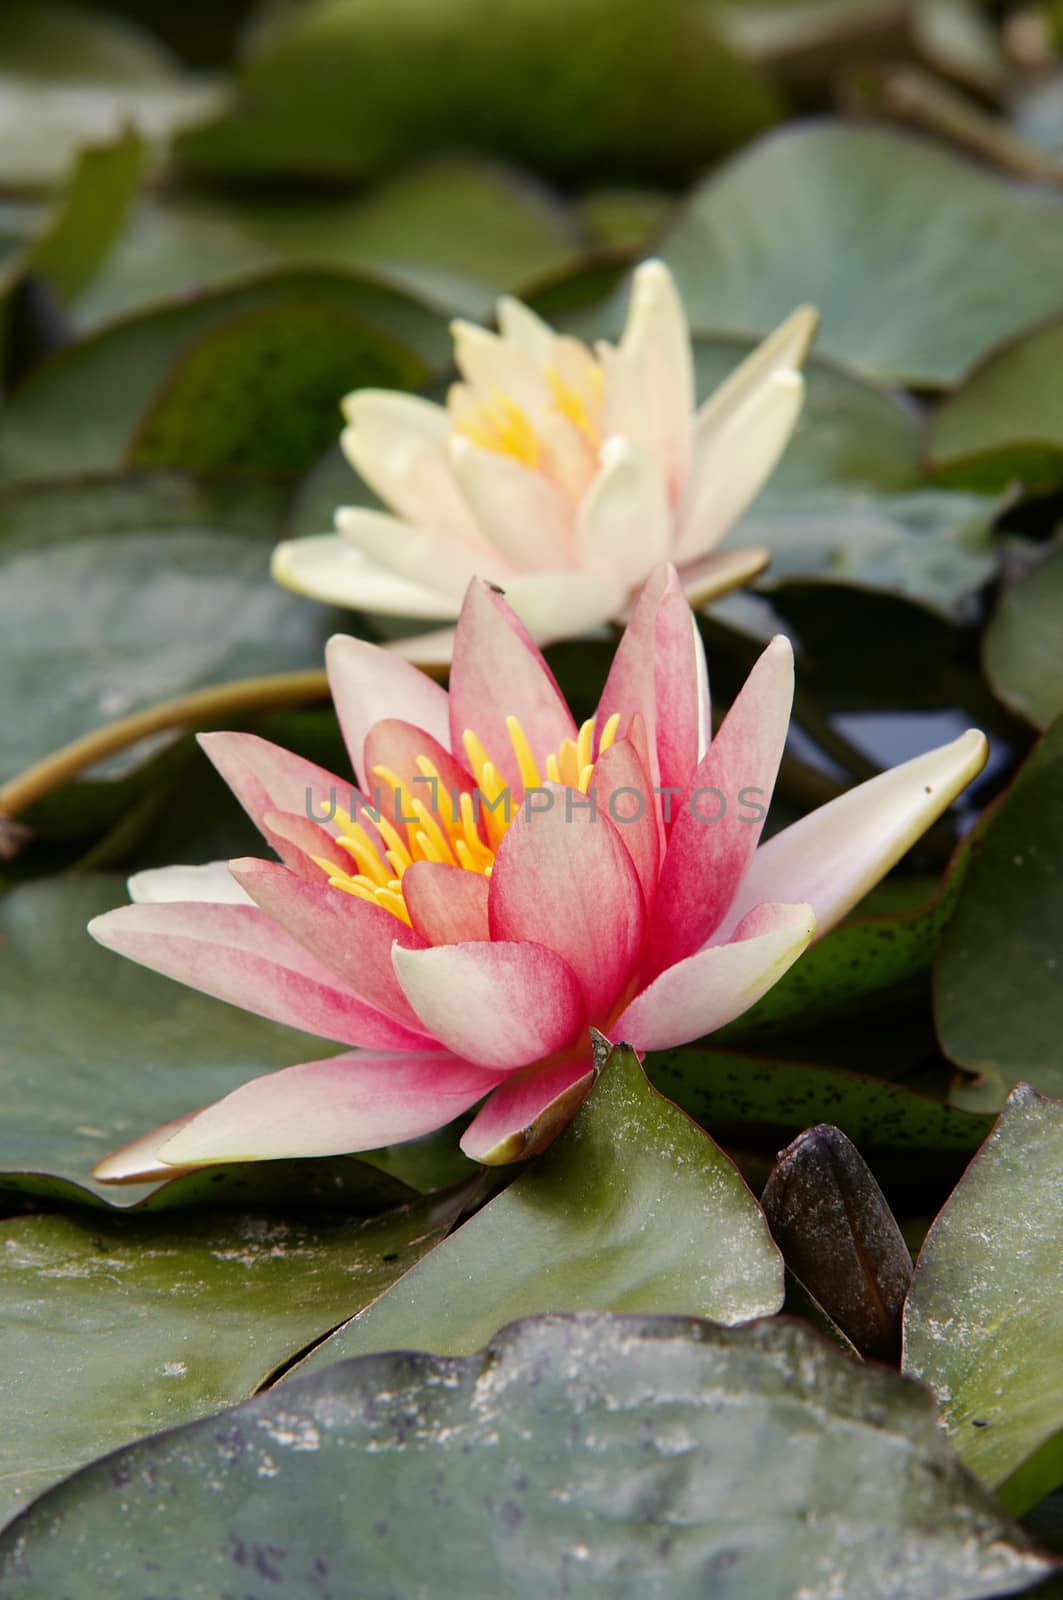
439, 844
358, 844
529, 772
424, 833
393, 902
478, 852
402, 796
428, 769
568, 762
503, 427
609, 733
571, 403
476, 754
396, 848
497, 817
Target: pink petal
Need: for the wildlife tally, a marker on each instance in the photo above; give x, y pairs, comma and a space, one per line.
356, 1101
659, 672
264, 777
349, 937
716, 985
499, 1005
621, 785
369, 683
446, 904
832, 857
529, 1110
498, 672
237, 954
718, 822
563, 878
298, 841
396, 745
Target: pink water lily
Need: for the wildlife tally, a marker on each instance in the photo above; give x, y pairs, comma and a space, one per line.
465, 956
564, 473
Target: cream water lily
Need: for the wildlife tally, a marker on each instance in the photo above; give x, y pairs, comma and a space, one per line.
564, 473
500, 881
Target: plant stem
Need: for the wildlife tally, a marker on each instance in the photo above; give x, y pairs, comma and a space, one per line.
206, 705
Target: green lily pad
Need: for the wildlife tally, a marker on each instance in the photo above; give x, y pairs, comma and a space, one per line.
70, 76
80, 411
456, 232
473, 76
632, 1208
1021, 648
338, 1185
1004, 424
752, 1096
849, 202
171, 596
95, 1049
112, 1328
556, 1461
998, 994
984, 1321
261, 392
930, 546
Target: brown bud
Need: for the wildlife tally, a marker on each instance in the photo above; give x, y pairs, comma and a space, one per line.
840, 1238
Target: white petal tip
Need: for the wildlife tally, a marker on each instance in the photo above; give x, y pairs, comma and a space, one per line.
972, 748
803, 325
654, 273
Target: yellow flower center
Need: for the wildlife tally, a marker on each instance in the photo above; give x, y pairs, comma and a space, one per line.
455, 829
501, 425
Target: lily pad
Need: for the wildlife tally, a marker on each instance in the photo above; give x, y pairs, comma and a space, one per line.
473, 76
998, 990
111, 1329
930, 546
553, 1462
849, 201
754, 1097
171, 597
456, 232
1021, 648
261, 392
984, 1321
96, 1050
1005, 422
50, 426
632, 1208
